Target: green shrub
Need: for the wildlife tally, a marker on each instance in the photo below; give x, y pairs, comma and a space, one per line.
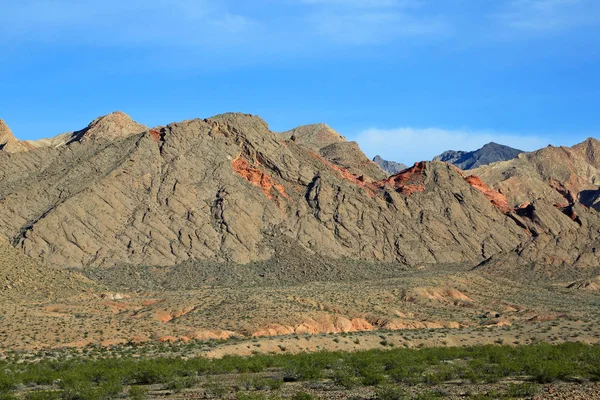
250, 396
138, 393
390, 393
302, 396
345, 377
178, 384
43, 395
522, 390
215, 388
7, 383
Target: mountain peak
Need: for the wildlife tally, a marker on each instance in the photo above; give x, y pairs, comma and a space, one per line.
8, 142
111, 126
314, 136
489, 153
5, 132
390, 167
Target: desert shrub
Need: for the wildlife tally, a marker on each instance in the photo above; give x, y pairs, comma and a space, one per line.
138, 393
250, 396
83, 376
345, 377
7, 382
390, 393
521, 390
215, 388
302, 396
43, 395
180, 383
429, 395
303, 371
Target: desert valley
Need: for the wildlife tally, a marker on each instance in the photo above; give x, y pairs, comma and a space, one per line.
215, 238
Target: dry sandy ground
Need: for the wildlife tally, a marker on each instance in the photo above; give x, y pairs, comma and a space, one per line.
429, 307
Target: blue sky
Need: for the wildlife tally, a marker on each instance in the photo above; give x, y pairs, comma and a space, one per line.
405, 78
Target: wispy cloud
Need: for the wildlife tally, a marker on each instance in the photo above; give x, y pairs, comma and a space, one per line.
359, 28
241, 31
215, 23
360, 22
364, 3
549, 15
124, 22
409, 145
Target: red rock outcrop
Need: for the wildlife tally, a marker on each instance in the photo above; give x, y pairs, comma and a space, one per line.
495, 197
257, 177
408, 181
316, 325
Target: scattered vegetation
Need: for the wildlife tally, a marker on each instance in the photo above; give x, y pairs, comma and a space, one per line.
105, 378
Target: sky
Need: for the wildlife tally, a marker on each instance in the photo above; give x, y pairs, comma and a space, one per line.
407, 79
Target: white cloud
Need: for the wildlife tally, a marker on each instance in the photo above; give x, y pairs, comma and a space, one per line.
408, 145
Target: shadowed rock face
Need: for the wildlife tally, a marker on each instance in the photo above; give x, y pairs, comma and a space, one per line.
490, 153
391, 167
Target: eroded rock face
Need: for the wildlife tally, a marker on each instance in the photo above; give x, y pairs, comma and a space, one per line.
222, 188
554, 192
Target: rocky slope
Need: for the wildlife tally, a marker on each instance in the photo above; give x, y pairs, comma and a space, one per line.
228, 189
333, 147
22, 278
391, 167
490, 153
555, 191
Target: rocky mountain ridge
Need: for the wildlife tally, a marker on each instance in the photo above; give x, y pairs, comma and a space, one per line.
488, 154
391, 167
227, 189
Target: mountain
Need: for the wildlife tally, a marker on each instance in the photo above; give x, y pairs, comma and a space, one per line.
391, 167
8, 142
546, 186
229, 190
490, 153
333, 147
